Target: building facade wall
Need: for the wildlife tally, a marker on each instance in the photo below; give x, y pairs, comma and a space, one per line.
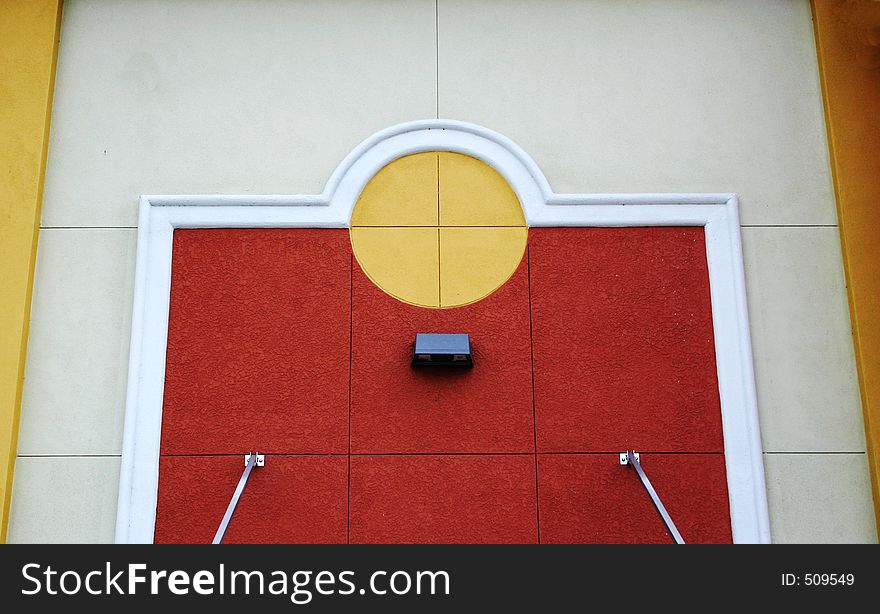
267, 97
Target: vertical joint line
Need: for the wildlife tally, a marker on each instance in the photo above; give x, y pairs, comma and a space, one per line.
437, 57
439, 250
534, 404
350, 354
439, 274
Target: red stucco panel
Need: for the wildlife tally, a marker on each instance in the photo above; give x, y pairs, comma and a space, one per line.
591, 498
293, 499
443, 499
623, 340
258, 342
278, 344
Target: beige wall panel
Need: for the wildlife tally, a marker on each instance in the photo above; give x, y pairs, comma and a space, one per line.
819, 498
75, 377
646, 96
64, 500
808, 393
224, 97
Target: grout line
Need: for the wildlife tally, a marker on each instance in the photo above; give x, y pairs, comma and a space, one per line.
437, 57
69, 456
431, 226
442, 453
526, 453
88, 227
206, 455
818, 453
788, 225
350, 379
701, 453
521, 453
437, 157
534, 404
495, 453
439, 274
449, 226
439, 252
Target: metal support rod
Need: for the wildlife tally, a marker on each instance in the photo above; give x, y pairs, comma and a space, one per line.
251, 461
631, 457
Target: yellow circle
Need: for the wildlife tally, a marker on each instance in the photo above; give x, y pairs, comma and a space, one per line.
438, 229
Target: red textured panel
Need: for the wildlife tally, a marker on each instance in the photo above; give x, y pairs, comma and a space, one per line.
397, 408
443, 499
623, 342
593, 499
258, 342
293, 499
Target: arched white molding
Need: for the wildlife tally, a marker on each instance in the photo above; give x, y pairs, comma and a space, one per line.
333, 206
716, 213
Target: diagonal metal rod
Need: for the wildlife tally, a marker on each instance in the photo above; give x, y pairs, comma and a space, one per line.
631, 459
230, 509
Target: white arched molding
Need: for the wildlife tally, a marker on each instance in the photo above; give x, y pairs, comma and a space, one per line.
160, 215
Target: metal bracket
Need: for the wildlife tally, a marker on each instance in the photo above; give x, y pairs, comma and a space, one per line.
623, 457
251, 460
632, 458
261, 460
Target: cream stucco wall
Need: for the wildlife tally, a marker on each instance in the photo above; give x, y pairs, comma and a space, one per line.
267, 97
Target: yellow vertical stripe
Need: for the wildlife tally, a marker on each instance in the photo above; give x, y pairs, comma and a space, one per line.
29, 34
849, 67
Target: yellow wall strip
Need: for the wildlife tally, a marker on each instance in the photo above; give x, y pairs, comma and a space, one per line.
848, 46
29, 33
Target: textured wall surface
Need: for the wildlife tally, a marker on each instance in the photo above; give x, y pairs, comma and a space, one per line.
443, 499
587, 498
485, 409
613, 326
258, 342
293, 499
161, 98
629, 311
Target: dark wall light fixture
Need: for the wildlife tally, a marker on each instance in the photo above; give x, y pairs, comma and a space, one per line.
442, 350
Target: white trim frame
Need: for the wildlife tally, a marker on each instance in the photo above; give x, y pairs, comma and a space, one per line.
717, 213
